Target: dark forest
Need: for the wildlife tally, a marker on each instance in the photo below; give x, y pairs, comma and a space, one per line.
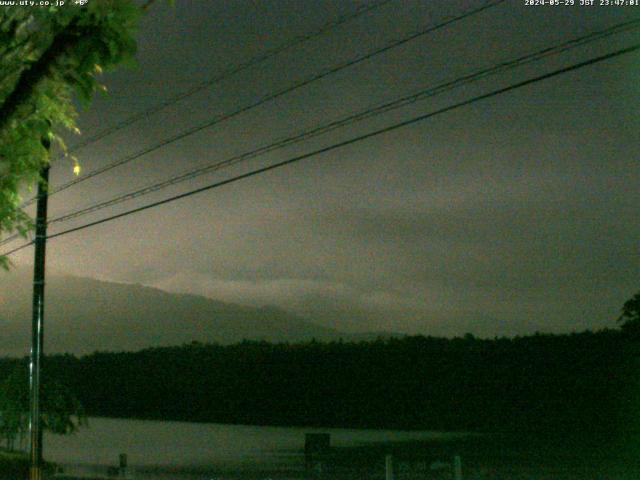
581, 382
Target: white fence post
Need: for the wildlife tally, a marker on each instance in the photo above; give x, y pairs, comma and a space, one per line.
457, 467
388, 467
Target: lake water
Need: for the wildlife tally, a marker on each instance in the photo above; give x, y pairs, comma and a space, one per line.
180, 450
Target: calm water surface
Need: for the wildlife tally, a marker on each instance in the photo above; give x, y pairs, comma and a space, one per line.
181, 450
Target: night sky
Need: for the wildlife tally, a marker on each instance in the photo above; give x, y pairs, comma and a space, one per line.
512, 215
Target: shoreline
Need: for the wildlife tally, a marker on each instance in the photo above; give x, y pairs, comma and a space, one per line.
490, 457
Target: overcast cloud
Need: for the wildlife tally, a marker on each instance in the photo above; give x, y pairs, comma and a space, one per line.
512, 215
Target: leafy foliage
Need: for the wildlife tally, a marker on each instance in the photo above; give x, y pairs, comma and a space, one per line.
46, 55
15, 466
62, 412
630, 317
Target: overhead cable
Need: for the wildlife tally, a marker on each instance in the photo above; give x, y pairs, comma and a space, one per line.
351, 141
357, 117
272, 96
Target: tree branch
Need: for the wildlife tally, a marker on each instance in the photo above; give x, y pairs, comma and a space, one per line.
31, 77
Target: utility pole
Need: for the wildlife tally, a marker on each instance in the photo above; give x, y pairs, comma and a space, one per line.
37, 326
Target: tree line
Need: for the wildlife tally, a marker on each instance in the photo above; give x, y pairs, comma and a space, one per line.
566, 383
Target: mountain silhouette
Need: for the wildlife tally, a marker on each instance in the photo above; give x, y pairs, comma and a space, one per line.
83, 315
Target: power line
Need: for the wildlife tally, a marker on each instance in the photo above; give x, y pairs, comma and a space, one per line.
302, 83
360, 10
17, 249
327, 27
353, 118
10, 239
351, 141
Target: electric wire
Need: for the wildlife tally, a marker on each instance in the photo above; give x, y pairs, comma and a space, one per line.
353, 118
350, 141
500, 67
17, 249
258, 59
272, 96
10, 239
